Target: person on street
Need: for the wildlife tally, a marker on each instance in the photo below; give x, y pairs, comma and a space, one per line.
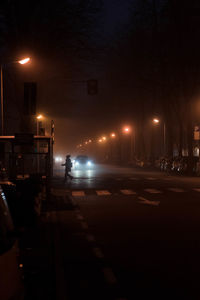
68, 166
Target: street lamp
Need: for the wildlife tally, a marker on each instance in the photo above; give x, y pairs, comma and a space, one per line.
128, 130
39, 117
157, 121
22, 62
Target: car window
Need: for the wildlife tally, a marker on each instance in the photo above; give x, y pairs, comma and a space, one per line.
6, 225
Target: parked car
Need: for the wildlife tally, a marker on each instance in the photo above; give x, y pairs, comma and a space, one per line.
11, 286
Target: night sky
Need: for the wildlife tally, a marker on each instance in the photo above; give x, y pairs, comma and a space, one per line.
143, 53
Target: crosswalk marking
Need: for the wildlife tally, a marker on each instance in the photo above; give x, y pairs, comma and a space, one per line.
196, 190
148, 202
103, 193
78, 193
127, 192
176, 190
152, 191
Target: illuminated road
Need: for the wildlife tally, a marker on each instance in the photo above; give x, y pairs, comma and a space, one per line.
130, 234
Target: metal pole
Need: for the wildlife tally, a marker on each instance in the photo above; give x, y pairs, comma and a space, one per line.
164, 138
2, 104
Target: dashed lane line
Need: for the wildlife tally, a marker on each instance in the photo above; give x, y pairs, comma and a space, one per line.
78, 193
109, 276
127, 192
90, 238
152, 191
97, 252
176, 190
148, 202
84, 225
103, 193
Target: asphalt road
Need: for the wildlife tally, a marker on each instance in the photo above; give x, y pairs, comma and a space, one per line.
126, 234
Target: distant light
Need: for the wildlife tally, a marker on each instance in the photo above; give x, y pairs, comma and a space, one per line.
156, 121
100, 141
76, 163
58, 158
39, 117
104, 138
126, 129
24, 61
80, 145
113, 135
86, 143
90, 141
89, 163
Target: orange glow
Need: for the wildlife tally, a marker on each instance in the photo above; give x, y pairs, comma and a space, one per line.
156, 121
86, 143
100, 141
90, 141
104, 138
113, 135
39, 117
24, 61
126, 129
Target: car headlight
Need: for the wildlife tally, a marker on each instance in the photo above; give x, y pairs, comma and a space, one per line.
89, 163
76, 163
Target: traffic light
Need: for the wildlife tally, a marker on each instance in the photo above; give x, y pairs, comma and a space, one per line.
92, 86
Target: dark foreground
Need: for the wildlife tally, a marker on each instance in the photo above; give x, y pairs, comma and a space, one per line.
116, 233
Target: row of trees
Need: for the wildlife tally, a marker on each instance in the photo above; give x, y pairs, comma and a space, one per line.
159, 70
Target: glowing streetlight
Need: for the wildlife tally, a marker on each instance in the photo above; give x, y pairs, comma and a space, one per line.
39, 117
126, 129
113, 135
156, 121
90, 141
104, 138
24, 61
100, 141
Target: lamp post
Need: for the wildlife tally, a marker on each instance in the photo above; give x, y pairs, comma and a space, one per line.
128, 130
157, 121
22, 62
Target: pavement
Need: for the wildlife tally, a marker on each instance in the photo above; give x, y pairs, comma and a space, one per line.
56, 252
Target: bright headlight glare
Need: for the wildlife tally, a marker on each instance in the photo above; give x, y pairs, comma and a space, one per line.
89, 163
76, 163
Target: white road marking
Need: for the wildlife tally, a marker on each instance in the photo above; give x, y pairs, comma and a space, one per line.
90, 238
176, 190
78, 193
152, 191
84, 225
103, 193
128, 192
109, 275
97, 252
146, 201
79, 217
196, 190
